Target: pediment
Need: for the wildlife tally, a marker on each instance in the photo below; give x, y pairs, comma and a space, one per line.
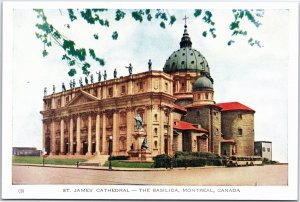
82, 98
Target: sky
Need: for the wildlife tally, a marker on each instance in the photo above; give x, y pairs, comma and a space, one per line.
255, 77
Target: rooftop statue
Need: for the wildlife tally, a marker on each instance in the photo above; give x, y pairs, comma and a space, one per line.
63, 87
99, 76
150, 65
45, 91
80, 82
53, 89
104, 75
92, 78
71, 84
86, 81
129, 69
115, 73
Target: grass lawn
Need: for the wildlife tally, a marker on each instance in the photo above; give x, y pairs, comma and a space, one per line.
117, 163
39, 160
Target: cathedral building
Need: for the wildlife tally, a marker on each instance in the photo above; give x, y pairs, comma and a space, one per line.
176, 106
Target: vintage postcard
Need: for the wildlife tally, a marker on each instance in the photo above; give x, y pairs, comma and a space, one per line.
150, 100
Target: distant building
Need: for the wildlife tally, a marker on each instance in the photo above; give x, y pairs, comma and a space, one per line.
26, 151
263, 149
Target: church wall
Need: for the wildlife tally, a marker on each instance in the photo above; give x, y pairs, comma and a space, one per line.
202, 116
239, 126
184, 102
177, 115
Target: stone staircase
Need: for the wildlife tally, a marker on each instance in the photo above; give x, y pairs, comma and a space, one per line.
97, 160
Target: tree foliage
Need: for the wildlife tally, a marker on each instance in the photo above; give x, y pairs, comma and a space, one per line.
80, 57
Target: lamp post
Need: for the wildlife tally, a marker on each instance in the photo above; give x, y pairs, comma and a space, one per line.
110, 151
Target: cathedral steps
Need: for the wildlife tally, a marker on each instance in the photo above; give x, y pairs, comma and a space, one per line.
98, 160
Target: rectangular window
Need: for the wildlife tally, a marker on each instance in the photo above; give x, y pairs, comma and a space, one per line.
240, 131
58, 103
240, 116
123, 90
110, 92
264, 149
268, 149
198, 113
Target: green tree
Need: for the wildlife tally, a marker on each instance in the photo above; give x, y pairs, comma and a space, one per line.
80, 57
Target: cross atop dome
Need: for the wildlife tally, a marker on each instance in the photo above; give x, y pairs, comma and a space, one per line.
185, 18
185, 40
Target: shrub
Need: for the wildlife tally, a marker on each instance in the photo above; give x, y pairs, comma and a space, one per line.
187, 159
119, 157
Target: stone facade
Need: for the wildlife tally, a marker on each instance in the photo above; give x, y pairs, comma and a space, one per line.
239, 126
86, 117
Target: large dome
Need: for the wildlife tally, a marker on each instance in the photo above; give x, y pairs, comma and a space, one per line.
186, 58
203, 83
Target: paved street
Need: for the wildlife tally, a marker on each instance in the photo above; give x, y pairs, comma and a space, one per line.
255, 175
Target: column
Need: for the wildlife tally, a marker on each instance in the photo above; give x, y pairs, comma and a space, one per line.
104, 146
188, 85
71, 136
62, 136
149, 126
177, 86
129, 128
44, 136
170, 133
78, 143
89, 135
98, 134
53, 137
162, 131
115, 130
130, 87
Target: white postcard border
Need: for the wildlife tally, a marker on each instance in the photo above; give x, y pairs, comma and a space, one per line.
10, 191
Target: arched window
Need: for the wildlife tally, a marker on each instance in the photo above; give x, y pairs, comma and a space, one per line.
155, 131
123, 120
155, 117
155, 144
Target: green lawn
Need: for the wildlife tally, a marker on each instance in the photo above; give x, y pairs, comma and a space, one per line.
117, 163
39, 160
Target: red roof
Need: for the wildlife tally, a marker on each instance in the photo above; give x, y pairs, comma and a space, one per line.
182, 125
179, 108
228, 141
232, 106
